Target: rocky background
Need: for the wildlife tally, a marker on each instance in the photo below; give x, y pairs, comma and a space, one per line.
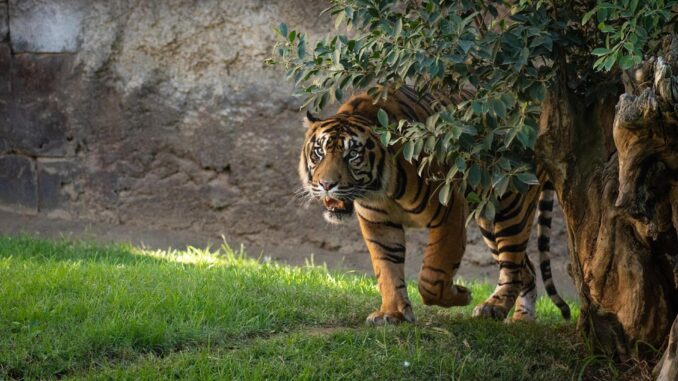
162, 115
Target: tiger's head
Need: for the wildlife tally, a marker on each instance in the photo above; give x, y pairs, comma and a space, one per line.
342, 161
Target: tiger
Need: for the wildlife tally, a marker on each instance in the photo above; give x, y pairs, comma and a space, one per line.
344, 165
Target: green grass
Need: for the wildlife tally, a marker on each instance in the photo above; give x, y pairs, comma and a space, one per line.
83, 311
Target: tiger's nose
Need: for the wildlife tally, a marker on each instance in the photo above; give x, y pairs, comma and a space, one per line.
327, 185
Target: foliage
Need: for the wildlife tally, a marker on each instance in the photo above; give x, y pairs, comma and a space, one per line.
493, 59
628, 26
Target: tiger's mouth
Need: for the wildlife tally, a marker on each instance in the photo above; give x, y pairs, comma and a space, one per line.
337, 211
336, 206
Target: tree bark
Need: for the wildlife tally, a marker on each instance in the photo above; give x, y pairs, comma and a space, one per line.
667, 369
614, 164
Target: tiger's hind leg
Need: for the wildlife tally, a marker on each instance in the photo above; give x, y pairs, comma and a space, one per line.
442, 257
510, 233
525, 304
525, 308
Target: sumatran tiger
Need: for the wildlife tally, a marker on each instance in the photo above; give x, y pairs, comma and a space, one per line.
344, 165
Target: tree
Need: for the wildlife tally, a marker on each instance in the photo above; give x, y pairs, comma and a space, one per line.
584, 89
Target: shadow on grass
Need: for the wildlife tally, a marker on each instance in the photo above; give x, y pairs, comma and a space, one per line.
466, 349
80, 308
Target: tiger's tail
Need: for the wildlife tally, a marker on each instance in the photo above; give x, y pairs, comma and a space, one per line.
544, 245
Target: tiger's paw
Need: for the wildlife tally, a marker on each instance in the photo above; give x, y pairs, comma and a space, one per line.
454, 296
377, 318
524, 311
521, 317
490, 310
462, 296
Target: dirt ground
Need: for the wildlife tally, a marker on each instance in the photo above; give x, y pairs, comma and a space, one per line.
477, 263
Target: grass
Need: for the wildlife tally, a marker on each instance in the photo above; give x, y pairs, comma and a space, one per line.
74, 310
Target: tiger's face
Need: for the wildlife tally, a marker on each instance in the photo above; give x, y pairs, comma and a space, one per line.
341, 161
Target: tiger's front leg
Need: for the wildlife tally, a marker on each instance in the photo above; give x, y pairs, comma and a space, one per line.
386, 244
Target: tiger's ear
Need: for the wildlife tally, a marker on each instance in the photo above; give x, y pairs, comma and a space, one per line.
310, 119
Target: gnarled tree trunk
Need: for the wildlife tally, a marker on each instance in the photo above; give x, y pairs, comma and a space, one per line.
614, 164
667, 369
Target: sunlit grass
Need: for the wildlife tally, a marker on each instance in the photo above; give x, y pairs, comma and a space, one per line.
86, 311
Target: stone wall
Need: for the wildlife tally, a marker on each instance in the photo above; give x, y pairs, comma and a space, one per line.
156, 113
161, 117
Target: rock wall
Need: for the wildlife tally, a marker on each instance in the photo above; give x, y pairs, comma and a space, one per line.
161, 115
155, 113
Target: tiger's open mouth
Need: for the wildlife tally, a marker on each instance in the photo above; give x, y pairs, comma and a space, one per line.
338, 206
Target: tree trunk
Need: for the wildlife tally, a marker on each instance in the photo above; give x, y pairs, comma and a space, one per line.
667, 369
614, 164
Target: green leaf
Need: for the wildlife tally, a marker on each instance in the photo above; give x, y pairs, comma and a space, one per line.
601, 51
473, 197
546, 41
408, 150
418, 146
524, 56
444, 194
460, 163
633, 6
337, 55
383, 118
519, 186
339, 19
609, 62
398, 27
499, 108
537, 92
477, 107
430, 144
501, 184
465, 45
283, 29
431, 121
392, 57
588, 15
605, 28
626, 62
489, 211
451, 173
473, 177
301, 49
385, 138
528, 178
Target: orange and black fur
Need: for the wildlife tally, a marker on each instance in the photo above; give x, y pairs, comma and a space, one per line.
507, 236
344, 165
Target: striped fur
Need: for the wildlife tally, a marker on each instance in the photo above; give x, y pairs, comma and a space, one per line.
507, 237
544, 246
343, 164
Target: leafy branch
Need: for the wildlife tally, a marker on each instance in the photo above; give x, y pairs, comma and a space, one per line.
489, 62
